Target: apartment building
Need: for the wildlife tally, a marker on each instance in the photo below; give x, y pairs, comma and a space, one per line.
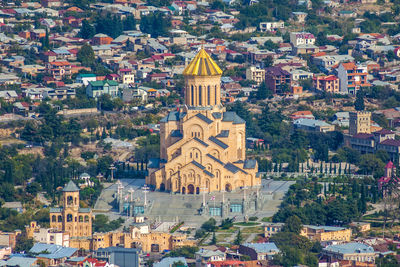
255, 74
302, 38
329, 84
277, 79
59, 69
352, 77
271, 26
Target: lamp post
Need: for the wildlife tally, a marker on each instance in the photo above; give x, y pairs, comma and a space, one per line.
112, 168
145, 189
131, 190
204, 195
119, 188
244, 192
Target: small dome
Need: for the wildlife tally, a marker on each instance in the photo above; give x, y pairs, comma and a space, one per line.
84, 176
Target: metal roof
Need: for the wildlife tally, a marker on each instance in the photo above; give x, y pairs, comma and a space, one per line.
202, 65
204, 118
218, 142
262, 247
223, 133
232, 116
350, 248
201, 141
70, 187
51, 251
173, 116
176, 133
249, 164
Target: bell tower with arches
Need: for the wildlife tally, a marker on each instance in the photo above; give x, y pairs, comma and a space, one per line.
70, 217
202, 81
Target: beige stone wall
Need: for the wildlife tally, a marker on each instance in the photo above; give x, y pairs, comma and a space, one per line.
360, 122
179, 175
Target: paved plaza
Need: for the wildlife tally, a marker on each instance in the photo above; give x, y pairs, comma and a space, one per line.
176, 207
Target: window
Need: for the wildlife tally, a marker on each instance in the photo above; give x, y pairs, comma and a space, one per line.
192, 95
200, 94
69, 218
208, 95
215, 96
70, 200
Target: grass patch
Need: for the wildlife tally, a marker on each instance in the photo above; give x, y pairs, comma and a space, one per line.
229, 230
253, 230
246, 223
266, 219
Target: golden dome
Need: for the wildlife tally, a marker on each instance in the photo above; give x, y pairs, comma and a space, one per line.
202, 65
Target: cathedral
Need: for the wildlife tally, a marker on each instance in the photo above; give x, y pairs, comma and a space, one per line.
202, 146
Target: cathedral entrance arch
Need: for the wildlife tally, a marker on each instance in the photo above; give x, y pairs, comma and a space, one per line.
228, 188
190, 189
162, 187
183, 190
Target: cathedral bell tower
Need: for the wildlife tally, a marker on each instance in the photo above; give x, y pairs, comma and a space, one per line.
202, 81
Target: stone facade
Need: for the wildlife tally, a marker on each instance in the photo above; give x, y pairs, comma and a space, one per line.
202, 145
360, 122
70, 217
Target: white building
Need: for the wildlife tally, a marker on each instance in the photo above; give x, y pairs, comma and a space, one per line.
271, 26
85, 78
255, 74
51, 236
302, 38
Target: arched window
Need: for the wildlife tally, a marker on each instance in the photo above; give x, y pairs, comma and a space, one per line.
86, 218
70, 200
197, 155
215, 96
200, 94
69, 217
192, 96
76, 219
81, 218
59, 219
53, 218
208, 95
191, 155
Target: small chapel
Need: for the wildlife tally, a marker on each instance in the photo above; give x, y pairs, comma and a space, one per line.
202, 146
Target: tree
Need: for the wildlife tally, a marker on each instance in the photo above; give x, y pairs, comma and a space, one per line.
45, 41
271, 46
293, 225
213, 240
263, 92
359, 103
390, 55
387, 261
23, 243
239, 238
209, 225
86, 55
87, 30
155, 24
268, 61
